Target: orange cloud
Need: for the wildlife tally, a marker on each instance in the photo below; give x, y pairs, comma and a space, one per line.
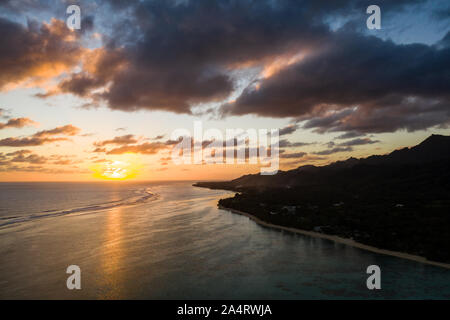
68, 130
145, 148
121, 140
41, 137
18, 123
34, 54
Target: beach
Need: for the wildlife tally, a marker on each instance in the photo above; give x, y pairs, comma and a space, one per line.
345, 241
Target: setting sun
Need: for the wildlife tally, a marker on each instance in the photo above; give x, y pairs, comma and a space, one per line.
117, 169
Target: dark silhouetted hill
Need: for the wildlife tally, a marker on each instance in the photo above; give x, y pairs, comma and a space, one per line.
399, 201
434, 151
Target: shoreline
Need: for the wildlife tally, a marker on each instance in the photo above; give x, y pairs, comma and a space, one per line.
337, 239
19, 220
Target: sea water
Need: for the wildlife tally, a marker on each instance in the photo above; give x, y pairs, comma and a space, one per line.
168, 240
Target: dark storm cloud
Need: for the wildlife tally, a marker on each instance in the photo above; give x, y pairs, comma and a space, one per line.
410, 114
317, 8
87, 24
186, 51
442, 13
20, 6
170, 55
389, 83
100, 67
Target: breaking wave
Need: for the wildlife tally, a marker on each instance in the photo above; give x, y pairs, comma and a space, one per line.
142, 196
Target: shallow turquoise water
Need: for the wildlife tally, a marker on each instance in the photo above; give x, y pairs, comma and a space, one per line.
181, 246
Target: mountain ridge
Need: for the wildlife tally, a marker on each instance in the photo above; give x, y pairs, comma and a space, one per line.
399, 201
434, 149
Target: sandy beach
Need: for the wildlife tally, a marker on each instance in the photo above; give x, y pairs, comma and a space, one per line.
346, 241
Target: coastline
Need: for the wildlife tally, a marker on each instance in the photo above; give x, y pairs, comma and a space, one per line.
337, 239
9, 222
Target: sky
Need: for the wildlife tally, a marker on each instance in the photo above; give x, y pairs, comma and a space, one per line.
103, 102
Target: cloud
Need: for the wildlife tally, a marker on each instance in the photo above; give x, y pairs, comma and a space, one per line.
99, 150
64, 162
128, 145
99, 67
350, 134
292, 155
41, 137
36, 53
442, 13
358, 142
288, 129
121, 140
333, 150
357, 82
305, 160
167, 59
17, 123
32, 158
27, 142
144, 148
67, 130
41, 169
284, 55
100, 161
4, 113
284, 143
19, 152
28, 157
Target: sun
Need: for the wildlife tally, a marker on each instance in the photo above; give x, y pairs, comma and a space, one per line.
116, 170
123, 169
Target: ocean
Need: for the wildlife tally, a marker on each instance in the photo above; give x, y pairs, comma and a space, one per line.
168, 240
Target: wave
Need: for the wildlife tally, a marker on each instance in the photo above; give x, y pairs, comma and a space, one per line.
143, 196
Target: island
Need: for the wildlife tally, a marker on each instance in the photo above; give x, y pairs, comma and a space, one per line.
398, 202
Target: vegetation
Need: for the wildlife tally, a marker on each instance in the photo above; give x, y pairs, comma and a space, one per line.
401, 206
